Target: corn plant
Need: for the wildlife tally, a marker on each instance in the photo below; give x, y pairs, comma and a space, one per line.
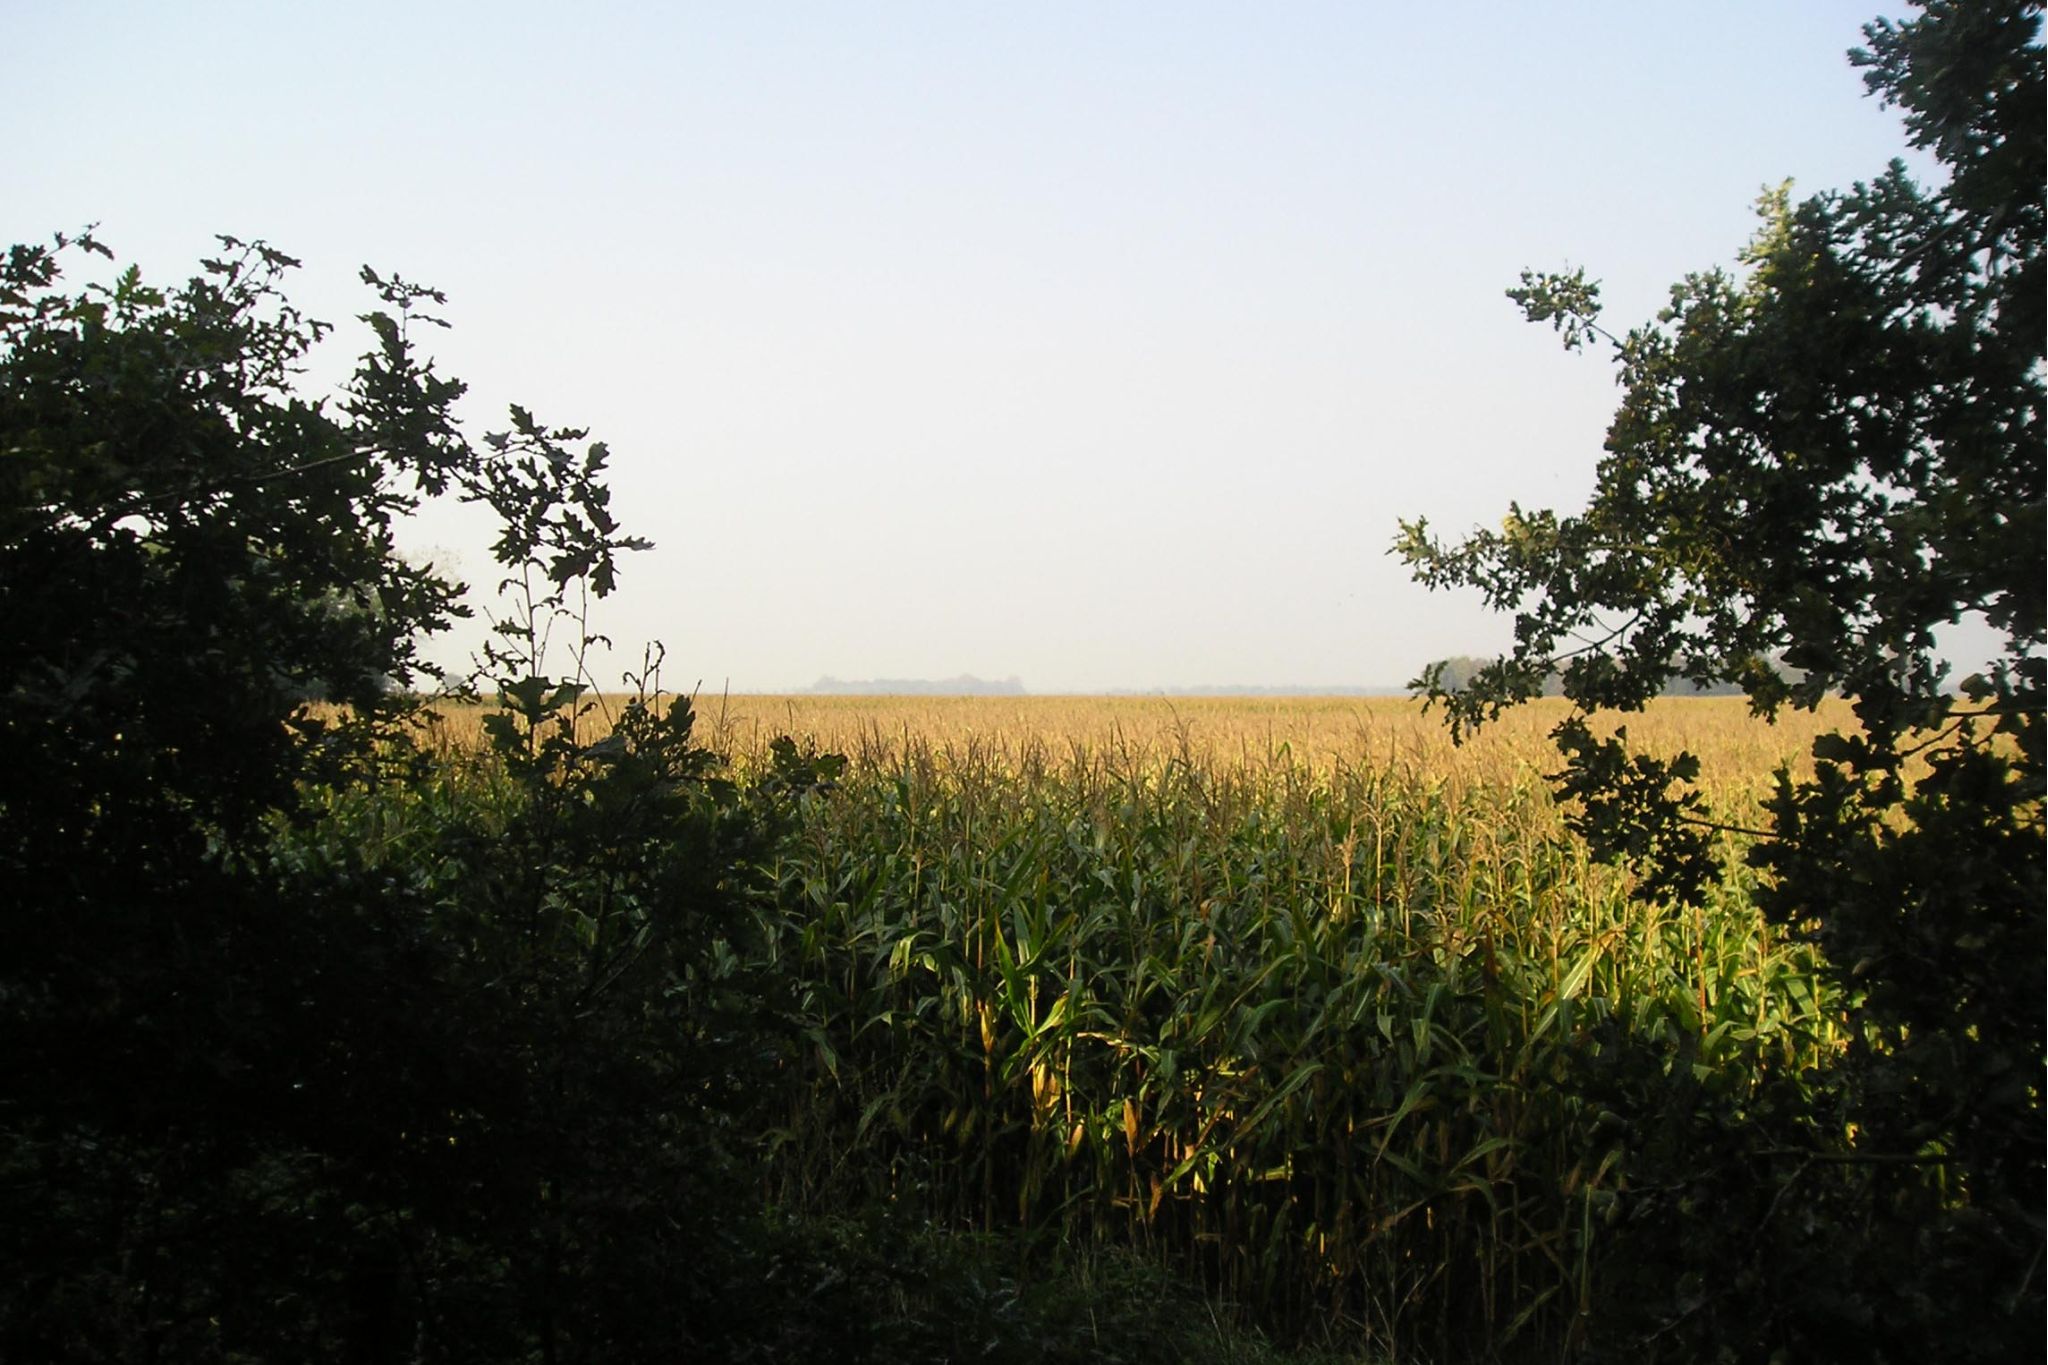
1305, 1028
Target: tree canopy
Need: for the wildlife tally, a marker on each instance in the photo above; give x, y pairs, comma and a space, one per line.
1826, 457
320, 1045
190, 549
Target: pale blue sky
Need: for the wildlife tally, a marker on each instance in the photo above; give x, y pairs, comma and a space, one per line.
1098, 344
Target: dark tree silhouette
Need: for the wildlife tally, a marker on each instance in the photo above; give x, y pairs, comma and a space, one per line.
1823, 460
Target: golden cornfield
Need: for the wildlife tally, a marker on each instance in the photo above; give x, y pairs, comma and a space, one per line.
1738, 751
1290, 991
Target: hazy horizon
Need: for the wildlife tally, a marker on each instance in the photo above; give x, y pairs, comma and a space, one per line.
1101, 347
969, 685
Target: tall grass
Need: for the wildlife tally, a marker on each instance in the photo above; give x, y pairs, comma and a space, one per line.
1296, 1015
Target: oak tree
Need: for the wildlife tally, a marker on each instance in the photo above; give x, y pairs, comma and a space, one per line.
318, 1044
1821, 461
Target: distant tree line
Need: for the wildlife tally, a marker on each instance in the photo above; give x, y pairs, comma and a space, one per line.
965, 685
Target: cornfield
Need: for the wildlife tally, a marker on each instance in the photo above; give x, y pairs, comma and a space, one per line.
1284, 992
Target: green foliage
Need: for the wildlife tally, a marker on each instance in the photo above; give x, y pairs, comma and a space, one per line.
882, 1291
320, 1048
1301, 1034
1824, 459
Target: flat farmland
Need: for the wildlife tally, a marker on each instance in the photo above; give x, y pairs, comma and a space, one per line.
1243, 736
1290, 991
1736, 749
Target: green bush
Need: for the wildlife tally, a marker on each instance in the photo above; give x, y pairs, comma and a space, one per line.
320, 1047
